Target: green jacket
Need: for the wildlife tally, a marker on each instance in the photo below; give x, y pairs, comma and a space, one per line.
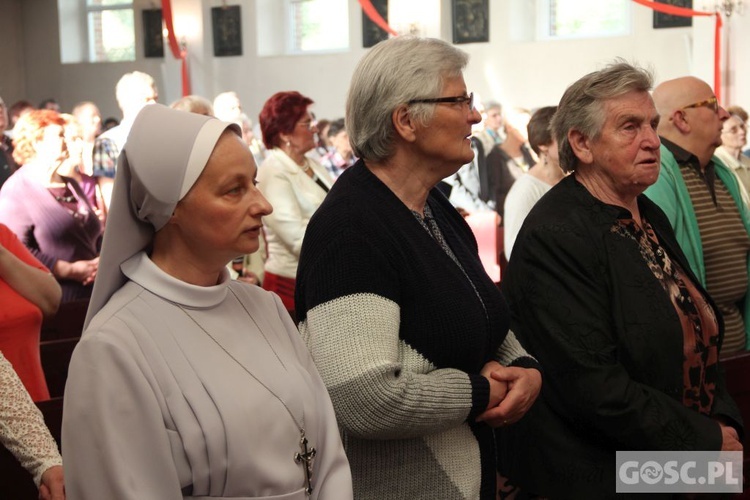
671, 194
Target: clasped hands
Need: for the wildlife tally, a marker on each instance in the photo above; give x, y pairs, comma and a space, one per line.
512, 392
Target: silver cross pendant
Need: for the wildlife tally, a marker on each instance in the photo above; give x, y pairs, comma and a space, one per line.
306, 456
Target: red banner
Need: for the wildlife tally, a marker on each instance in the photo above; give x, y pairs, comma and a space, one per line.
685, 12
375, 16
174, 46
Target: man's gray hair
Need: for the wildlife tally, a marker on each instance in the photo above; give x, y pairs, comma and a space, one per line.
132, 86
582, 105
394, 72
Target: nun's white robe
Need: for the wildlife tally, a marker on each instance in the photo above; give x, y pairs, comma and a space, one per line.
156, 409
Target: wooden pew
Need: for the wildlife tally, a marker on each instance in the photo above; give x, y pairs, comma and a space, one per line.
737, 369
67, 323
59, 336
55, 355
15, 482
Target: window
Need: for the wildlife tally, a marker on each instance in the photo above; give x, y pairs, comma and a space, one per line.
560, 19
318, 25
301, 26
111, 30
96, 30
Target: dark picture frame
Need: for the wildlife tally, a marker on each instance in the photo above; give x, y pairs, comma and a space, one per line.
662, 20
372, 34
153, 36
471, 21
227, 30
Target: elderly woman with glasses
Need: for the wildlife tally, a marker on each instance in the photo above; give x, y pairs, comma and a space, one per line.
408, 332
293, 183
733, 138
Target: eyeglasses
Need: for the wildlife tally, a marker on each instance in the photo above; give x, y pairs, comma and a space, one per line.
711, 103
308, 124
468, 99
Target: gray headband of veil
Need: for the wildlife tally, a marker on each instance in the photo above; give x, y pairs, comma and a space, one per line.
165, 153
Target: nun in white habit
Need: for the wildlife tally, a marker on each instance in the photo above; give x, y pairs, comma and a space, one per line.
186, 384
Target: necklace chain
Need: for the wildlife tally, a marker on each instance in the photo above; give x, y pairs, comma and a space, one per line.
306, 455
301, 427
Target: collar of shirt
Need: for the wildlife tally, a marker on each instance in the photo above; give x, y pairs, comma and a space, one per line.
686, 159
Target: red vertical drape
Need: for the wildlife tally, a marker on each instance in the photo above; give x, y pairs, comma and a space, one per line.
166, 9
685, 12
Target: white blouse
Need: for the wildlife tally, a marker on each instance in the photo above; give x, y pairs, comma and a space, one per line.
295, 197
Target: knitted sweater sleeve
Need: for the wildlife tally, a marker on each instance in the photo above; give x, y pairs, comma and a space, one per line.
380, 386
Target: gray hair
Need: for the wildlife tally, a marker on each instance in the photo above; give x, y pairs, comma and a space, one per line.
132, 87
194, 104
492, 105
394, 72
582, 105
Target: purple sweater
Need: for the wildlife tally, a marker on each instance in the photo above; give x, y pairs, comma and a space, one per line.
49, 230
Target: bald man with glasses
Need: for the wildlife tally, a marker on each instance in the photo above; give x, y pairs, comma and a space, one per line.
703, 200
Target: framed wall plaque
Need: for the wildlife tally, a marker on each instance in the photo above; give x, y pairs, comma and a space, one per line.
371, 32
669, 21
227, 30
471, 21
153, 37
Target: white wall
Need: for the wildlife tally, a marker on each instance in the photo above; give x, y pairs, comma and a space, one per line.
518, 73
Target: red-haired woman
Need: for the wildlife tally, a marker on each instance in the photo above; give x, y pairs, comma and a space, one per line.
292, 182
48, 211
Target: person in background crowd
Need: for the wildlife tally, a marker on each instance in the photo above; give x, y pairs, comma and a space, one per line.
740, 111
408, 332
72, 166
294, 183
49, 211
493, 132
530, 187
194, 104
28, 293
133, 91
323, 144
340, 156
110, 123
187, 384
703, 200
24, 433
7, 163
250, 267
49, 104
733, 138
506, 163
602, 295
227, 107
18, 109
256, 147
469, 187
88, 117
